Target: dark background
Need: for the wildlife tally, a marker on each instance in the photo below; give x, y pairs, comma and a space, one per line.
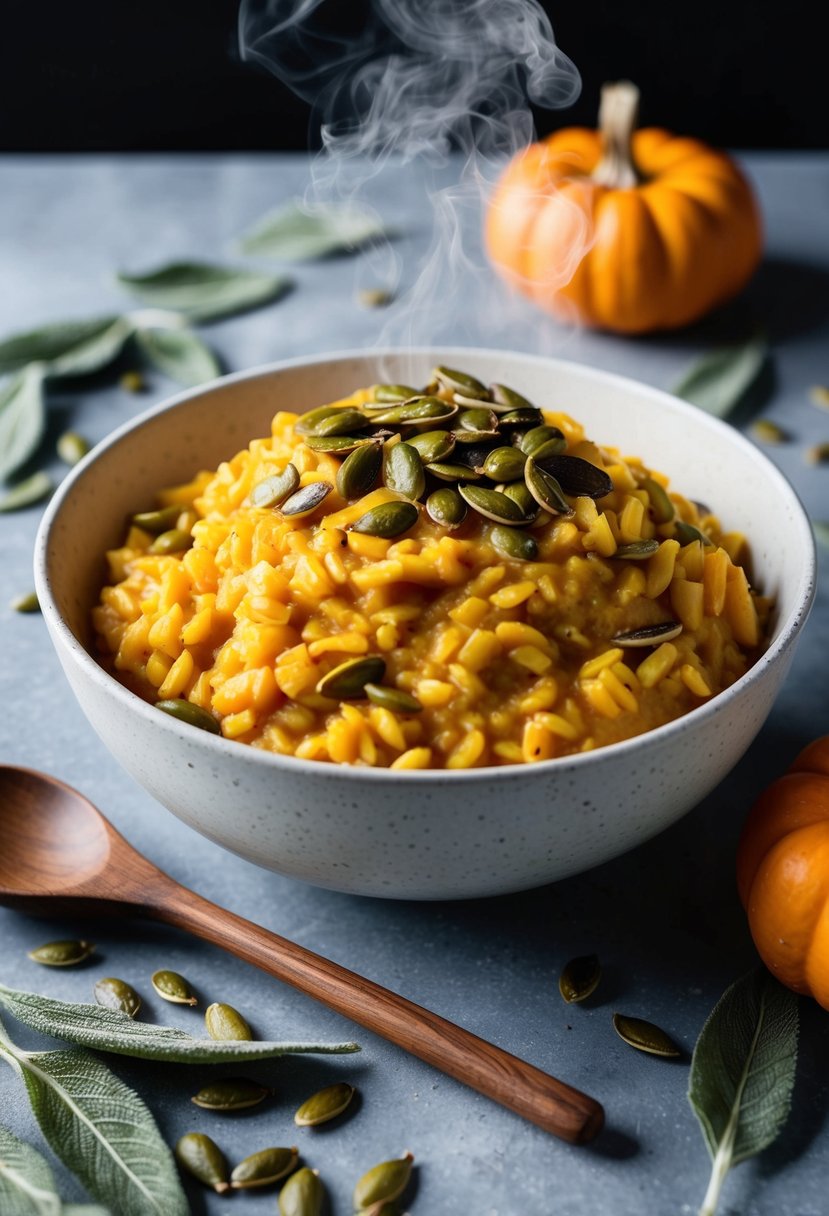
105, 75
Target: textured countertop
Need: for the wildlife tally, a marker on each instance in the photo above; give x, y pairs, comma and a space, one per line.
665, 919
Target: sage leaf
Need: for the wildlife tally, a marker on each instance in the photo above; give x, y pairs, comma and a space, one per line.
109, 1030
721, 379
27, 492
179, 354
100, 1129
27, 1184
821, 530
204, 291
296, 233
68, 348
22, 418
742, 1073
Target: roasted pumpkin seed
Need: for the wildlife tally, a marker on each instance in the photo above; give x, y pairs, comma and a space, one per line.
271, 491
231, 1093
460, 382
477, 419
347, 682
579, 978
403, 471
518, 492
358, 473
395, 699
768, 432
577, 476
507, 399
383, 1182
193, 715
381, 1209
343, 422
72, 447
158, 521
422, 409
446, 507
393, 392
525, 417
648, 635
513, 543
662, 508
388, 520
491, 504
226, 1023
324, 1105
452, 472
480, 439
117, 994
644, 1036
203, 1158
337, 445
638, 550
685, 533
540, 436
473, 454
307, 423
545, 489
302, 1194
176, 540
132, 382
263, 1168
504, 464
28, 602
432, 445
306, 500
173, 987
61, 954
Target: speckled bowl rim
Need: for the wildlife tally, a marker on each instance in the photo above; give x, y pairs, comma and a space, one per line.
785, 633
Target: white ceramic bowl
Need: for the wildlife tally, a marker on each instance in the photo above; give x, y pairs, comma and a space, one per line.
428, 834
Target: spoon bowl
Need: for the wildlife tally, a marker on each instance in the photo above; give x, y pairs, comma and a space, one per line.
61, 853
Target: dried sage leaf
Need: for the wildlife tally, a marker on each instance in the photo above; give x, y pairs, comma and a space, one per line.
204, 291
720, 380
179, 354
68, 347
28, 492
296, 233
22, 419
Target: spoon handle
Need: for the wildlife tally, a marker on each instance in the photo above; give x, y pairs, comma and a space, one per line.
551, 1104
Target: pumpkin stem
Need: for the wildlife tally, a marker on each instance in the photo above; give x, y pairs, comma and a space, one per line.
618, 112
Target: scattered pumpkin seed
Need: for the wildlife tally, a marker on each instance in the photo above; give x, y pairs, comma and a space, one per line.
685, 533
393, 392
375, 297
132, 382
478, 419
25, 603
545, 489
460, 382
446, 507
347, 682
72, 447
540, 436
203, 1158
513, 543
263, 1168
638, 550
644, 1036
357, 474
579, 978
337, 445
306, 499
271, 491
492, 504
173, 987
523, 417
117, 994
504, 464
383, 1182
403, 471
226, 1023
193, 715
324, 1105
307, 423
231, 1093
452, 472
432, 446
577, 476
507, 398
302, 1194
388, 520
27, 492
818, 453
649, 635
343, 422
381, 1209
768, 432
158, 521
395, 699
62, 954
175, 540
661, 506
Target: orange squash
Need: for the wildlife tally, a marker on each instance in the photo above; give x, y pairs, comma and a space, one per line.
783, 874
626, 230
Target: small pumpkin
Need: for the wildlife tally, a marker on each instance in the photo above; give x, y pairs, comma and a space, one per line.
632, 231
783, 873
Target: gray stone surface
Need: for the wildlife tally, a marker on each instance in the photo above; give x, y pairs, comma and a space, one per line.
665, 919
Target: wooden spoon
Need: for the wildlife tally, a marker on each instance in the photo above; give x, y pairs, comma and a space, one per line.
59, 853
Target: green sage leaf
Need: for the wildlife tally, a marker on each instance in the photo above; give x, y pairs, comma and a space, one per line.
203, 291
296, 233
27, 1184
721, 379
109, 1030
100, 1129
63, 343
22, 418
742, 1073
179, 354
27, 492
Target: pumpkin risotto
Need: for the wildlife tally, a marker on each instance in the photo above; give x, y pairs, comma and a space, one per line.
445, 578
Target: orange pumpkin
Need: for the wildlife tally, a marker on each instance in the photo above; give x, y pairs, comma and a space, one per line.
783, 874
626, 230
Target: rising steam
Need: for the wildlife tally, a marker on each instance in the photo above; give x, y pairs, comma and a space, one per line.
445, 83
